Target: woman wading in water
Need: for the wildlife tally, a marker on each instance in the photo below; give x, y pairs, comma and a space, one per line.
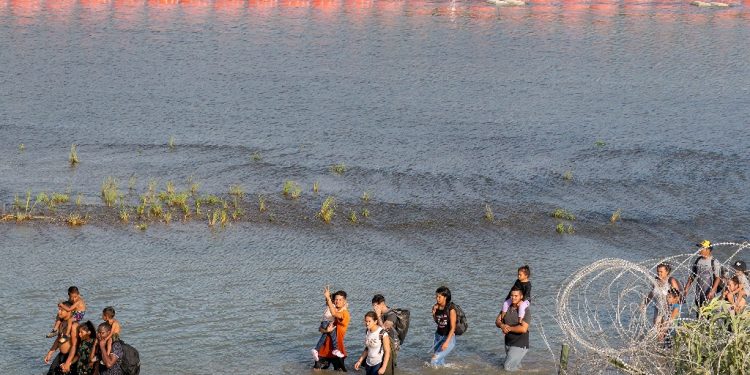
377, 354
444, 315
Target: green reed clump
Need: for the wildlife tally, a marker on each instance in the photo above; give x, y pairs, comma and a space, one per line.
562, 214
42, 198
21, 148
615, 216
131, 182
75, 220
79, 200
170, 144
58, 198
291, 189
568, 175
155, 210
327, 210
73, 157
365, 213
353, 217
209, 199
366, 196
488, 214
717, 343
256, 156
109, 191
141, 226
170, 187
600, 143
562, 228
316, 187
338, 169
262, 203
167, 216
124, 215
237, 191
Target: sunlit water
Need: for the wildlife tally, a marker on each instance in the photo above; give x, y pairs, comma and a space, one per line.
435, 107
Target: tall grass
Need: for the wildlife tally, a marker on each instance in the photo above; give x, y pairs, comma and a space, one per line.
327, 210
291, 189
717, 343
73, 157
109, 191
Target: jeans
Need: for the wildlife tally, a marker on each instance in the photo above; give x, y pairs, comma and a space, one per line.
334, 343
513, 357
372, 370
438, 359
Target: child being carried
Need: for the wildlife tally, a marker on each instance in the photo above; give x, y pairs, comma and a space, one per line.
524, 283
324, 324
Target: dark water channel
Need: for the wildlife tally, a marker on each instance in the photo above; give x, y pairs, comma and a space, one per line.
435, 108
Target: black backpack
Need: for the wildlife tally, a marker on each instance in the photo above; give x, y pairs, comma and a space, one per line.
130, 363
461, 324
401, 326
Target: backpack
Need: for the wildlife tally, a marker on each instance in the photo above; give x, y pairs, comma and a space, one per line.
461, 324
401, 326
130, 361
390, 368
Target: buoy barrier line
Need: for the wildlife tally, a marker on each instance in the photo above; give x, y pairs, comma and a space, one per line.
601, 313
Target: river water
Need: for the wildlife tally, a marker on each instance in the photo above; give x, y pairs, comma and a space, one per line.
436, 108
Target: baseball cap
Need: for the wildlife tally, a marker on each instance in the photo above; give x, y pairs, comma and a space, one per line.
739, 266
705, 244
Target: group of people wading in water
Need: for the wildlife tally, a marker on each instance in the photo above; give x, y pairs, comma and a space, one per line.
386, 328
711, 280
82, 348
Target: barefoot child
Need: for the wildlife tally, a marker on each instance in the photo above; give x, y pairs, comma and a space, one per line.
524, 284
324, 324
77, 308
108, 316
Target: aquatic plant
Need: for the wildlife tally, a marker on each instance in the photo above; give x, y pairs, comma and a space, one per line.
338, 169
353, 217
58, 198
21, 148
365, 213
236, 191
109, 191
151, 187
170, 144
141, 209
167, 216
73, 157
155, 210
197, 207
141, 226
562, 214
41, 198
256, 156
615, 216
291, 189
124, 215
316, 187
217, 216
75, 220
568, 175
131, 182
261, 203
79, 200
170, 187
209, 199
564, 229
194, 186
237, 213
600, 143
366, 196
488, 215
327, 210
